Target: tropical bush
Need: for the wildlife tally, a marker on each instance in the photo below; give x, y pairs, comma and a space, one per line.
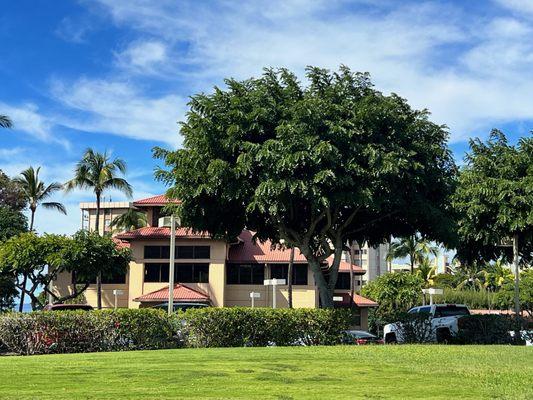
238, 327
82, 331
505, 296
474, 299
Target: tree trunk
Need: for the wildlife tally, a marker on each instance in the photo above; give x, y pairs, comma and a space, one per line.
412, 260
25, 276
99, 276
326, 295
516, 276
289, 278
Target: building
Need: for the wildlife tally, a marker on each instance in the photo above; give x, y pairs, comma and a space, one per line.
206, 270
373, 260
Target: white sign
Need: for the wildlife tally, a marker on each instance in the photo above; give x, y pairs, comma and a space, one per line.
274, 282
118, 292
432, 291
255, 295
337, 298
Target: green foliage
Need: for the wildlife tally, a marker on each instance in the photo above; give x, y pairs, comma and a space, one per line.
415, 328
11, 193
415, 247
8, 292
315, 165
44, 332
505, 296
12, 223
237, 327
486, 329
395, 291
131, 219
494, 199
42, 258
474, 299
445, 280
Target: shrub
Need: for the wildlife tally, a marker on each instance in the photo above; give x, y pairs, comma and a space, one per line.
237, 327
415, 328
487, 329
82, 331
472, 298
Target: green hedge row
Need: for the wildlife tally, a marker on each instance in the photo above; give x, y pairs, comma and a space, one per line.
238, 327
81, 331
490, 329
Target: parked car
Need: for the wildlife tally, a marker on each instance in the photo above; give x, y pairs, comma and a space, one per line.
443, 317
360, 338
180, 306
70, 307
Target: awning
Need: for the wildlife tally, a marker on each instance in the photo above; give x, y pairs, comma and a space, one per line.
359, 301
181, 293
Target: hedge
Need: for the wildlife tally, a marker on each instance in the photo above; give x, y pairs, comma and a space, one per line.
45, 332
488, 329
239, 327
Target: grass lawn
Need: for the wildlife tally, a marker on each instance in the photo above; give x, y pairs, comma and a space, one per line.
342, 372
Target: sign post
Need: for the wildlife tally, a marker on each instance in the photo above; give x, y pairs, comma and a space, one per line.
172, 264
274, 282
116, 293
431, 292
253, 296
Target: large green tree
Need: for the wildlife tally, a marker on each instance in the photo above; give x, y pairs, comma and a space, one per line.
494, 199
11, 194
99, 173
316, 165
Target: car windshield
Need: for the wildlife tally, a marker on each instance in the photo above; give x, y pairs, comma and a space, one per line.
360, 334
450, 311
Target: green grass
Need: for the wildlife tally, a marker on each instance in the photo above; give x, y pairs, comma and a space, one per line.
342, 372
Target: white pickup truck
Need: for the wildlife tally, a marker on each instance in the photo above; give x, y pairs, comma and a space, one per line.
443, 322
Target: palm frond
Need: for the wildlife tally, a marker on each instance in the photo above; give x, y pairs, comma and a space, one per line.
55, 206
5, 122
119, 184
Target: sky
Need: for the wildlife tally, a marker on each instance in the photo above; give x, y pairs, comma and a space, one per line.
116, 75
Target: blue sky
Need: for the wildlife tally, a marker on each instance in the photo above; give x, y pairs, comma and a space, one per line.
116, 74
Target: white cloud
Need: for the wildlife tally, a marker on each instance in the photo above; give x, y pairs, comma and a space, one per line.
28, 119
9, 153
467, 70
144, 57
120, 108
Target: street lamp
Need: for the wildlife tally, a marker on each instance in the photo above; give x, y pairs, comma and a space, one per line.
171, 264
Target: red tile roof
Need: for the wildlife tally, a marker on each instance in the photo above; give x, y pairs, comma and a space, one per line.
152, 232
248, 252
359, 301
159, 200
181, 293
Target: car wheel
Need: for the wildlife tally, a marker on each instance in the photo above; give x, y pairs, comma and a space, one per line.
390, 338
443, 336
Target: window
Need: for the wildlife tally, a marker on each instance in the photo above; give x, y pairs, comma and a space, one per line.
281, 271
182, 252
424, 310
343, 281
183, 273
450, 311
245, 274
115, 279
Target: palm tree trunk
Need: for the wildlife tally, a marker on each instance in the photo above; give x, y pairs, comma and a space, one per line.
289, 278
25, 276
99, 276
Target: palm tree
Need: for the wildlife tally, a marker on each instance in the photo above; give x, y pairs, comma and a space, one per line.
414, 247
471, 275
96, 171
426, 270
5, 122
34, 192
131, 219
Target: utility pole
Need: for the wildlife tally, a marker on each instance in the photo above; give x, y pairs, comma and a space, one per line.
171, 264
516, 276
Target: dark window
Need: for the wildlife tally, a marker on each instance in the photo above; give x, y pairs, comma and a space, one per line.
450, 311
156, 214
343, 281
185, 252
192, 273
183, 273
115, 279
188, 252
202, 252
245, 274
281, 271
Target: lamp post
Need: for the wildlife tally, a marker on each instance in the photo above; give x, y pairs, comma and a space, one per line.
171, 264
